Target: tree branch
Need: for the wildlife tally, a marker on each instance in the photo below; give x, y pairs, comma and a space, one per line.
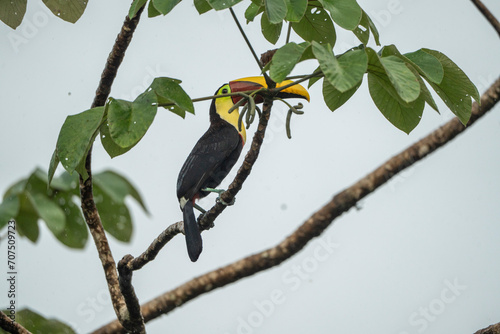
86, 193
11, 326
313, 226
488, 15
135, 321
493, 329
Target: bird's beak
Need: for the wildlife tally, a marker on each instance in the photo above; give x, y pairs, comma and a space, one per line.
254, 83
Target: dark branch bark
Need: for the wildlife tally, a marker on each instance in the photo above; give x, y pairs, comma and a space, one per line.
316, 224
157, 245
10, 326
493, 329
88, 205
135, 320
488, 15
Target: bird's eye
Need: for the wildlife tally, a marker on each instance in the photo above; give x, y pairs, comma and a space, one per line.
224, 91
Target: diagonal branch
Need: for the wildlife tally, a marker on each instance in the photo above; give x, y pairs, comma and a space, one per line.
86, 193
316, 224
488, 15
11, 326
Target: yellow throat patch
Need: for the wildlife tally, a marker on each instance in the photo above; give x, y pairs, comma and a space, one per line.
222, 106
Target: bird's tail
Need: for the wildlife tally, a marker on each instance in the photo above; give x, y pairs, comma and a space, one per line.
193, 235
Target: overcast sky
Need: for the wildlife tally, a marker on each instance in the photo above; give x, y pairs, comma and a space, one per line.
419, 256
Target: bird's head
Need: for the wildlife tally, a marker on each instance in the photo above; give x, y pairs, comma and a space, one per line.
221, 106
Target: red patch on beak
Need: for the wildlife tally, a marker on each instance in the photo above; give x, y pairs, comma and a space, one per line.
244, 86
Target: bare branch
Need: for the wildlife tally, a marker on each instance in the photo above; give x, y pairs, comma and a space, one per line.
157, 245
135, 322
315, 225
493, 329
488, 15
10, 326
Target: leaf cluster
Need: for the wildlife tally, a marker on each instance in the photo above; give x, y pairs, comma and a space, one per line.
32, 199
396, 81
12, 12
120, 124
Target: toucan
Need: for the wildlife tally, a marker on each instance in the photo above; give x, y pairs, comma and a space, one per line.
217, 151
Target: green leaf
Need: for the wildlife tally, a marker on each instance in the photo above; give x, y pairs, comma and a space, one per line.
252, 11
8, 209
427, 65
54, 162
109, 145
456, 89
16, 189
222, 4
37, 183
270, 31
76, 136
115, 216
165, 6
316, 25
49, 211
168, 90
27, 218
75, 233
295, 10
12, 12
391, 50
66, 182
134, 8
202, 6
403, 115
36, 323
152, 11
401, 77
69, 11
373, 29
345, 72
117, 187
276, 10
334, 98
424, 92
313, 80
346, 13
285, 59
362, 31
129, 121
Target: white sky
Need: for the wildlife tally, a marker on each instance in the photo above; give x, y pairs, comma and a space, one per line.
420, 256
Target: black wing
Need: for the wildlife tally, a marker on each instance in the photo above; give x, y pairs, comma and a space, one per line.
210, 161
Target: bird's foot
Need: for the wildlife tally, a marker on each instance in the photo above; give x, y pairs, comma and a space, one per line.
214, 190
219, 200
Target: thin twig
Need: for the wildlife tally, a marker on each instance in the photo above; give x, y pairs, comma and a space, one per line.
288, 33
488, 15
316, 224
157, 245
270, 83
245, 37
